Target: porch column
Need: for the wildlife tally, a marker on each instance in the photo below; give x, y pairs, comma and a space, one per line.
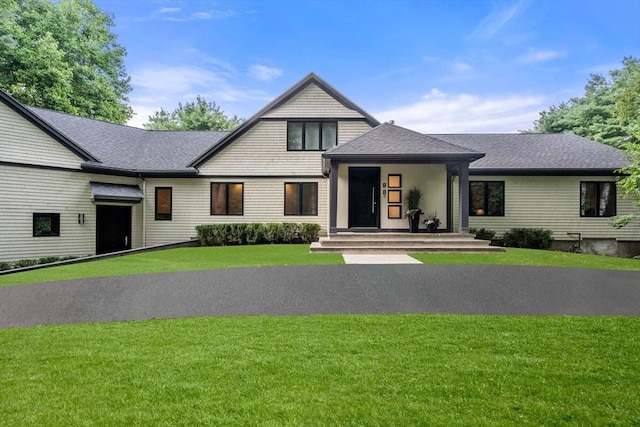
463, 202
333, 197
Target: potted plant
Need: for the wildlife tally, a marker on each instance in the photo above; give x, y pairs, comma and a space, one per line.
413, 212
432, 222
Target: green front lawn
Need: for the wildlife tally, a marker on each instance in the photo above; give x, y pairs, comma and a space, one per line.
325, 370
205, 258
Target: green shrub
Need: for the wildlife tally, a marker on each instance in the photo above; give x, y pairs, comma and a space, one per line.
288, 232
309, 232
530, 238
254, 233
5, 266
25, 263
48, 260
484, 234
272, 232
235, 234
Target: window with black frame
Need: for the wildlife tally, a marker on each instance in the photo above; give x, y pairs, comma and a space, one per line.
46, 224
301, 198
311, 136
597, 199
486, 198
227, 198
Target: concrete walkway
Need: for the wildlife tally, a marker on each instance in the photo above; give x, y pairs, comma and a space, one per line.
379, 259
329, 289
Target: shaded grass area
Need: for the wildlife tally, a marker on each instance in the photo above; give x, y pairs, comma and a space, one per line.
325, 370
515, 256
181, 259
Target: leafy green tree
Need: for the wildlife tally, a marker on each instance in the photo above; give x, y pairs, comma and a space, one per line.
594, 115
627, 108
197, 115
62, 55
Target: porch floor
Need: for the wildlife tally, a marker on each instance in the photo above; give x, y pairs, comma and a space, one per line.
346, 242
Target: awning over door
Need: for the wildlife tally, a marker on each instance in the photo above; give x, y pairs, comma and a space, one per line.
103, 192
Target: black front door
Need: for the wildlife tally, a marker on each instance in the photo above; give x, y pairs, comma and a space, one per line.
364, 195
113, 228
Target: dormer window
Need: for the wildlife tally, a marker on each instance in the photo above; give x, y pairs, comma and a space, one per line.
311, 136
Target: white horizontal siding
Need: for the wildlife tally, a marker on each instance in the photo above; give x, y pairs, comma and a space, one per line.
263, 202
23, 142
551, 203
263, 151
24, 191
312, 101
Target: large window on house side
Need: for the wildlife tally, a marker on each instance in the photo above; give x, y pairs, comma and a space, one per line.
163, 203
301, 198
46, 224
227, 198
598, 199
311, 136
486, 198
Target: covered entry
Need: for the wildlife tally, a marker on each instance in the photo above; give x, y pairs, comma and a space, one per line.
113, 222
370, 175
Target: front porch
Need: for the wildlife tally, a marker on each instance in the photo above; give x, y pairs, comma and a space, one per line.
349, 242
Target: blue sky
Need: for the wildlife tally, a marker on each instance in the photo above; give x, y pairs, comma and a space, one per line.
432, 66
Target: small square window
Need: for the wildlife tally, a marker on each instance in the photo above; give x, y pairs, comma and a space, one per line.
395, 181
227, 198
394, 211
395, 196
46, 224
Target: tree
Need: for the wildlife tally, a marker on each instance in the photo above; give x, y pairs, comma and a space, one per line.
62, 55
198, 115
594, 115
627, 108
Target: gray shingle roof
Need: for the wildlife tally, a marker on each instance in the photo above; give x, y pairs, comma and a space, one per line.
530, 151
391, 141
132, 149
105, 192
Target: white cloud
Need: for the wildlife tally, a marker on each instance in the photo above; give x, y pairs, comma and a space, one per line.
438, 112
263, 72
497, 19
167, 10
535, 55
461, 67
156, 86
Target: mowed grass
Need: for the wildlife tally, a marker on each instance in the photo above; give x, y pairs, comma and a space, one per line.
387, 370
515, 256
204, 258
182, 259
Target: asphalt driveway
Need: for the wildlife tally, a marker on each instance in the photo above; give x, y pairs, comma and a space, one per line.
323, 290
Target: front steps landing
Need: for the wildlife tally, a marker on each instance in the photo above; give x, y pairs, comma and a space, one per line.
401, 243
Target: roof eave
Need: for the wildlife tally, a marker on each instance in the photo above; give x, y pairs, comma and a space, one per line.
139, 172
405, 158
545, 171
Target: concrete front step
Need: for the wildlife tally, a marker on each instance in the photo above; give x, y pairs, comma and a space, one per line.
402, 243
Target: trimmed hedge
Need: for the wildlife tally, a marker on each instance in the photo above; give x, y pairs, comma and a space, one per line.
530, 238
483, 233
254, 233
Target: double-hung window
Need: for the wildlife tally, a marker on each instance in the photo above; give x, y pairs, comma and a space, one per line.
597, 199
163, 203
311, 136
227, 198
301, 198
486, 198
